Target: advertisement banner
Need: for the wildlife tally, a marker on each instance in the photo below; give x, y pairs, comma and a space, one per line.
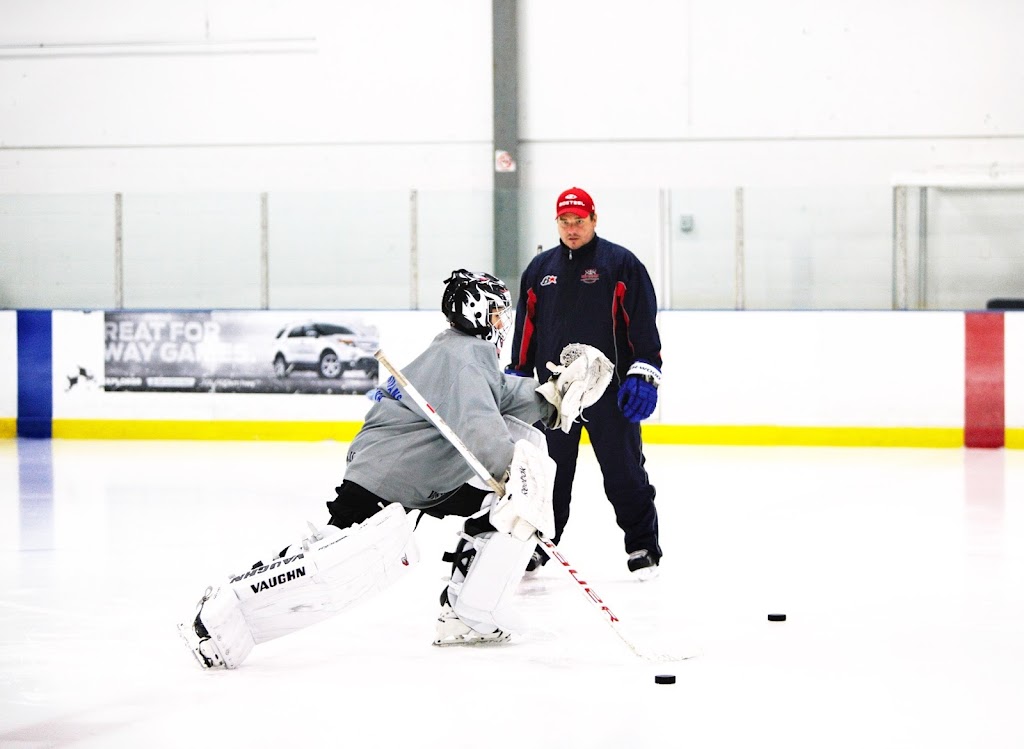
239, 352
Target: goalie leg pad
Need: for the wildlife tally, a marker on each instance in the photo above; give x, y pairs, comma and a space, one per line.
311, 582
486, 573
344, 566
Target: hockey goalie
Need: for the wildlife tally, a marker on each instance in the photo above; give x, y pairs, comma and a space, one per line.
399, 462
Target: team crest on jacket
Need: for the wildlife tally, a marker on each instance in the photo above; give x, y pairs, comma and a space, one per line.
548, 280
590, 275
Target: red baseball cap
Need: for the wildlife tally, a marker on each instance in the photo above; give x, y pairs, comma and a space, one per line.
576, 201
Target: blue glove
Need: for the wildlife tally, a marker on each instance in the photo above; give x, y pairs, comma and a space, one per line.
510, 370
638, 394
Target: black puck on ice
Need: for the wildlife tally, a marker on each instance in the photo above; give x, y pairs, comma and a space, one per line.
665, 679
776, 617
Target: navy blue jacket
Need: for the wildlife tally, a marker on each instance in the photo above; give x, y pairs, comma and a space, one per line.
599, 294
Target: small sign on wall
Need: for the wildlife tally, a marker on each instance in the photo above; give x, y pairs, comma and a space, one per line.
503, 162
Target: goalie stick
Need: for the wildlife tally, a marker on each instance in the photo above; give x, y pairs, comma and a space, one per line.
546, 544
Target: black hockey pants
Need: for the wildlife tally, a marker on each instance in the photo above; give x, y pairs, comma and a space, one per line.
619, 451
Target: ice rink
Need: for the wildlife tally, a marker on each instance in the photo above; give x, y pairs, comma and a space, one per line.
901, 572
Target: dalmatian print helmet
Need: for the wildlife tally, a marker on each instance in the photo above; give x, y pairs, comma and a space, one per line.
470, 298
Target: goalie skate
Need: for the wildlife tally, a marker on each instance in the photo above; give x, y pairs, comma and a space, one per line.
453, 631
231, 642
197, 640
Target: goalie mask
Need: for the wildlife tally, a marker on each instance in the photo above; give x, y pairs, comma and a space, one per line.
470, 301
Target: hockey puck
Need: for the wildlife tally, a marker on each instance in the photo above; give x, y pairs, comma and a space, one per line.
665, 679
776, 617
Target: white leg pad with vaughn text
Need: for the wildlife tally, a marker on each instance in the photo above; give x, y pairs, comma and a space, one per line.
346, 566
310, 583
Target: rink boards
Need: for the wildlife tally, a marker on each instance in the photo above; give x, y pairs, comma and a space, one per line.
926, 379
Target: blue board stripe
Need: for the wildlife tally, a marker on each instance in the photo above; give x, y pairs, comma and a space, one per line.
35, 373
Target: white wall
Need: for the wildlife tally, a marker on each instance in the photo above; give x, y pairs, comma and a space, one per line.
1013, 332
701, 69
227, 95
817, 105
9, 370
839, 369
316, 95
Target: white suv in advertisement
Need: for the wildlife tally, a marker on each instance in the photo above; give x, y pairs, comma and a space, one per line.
328, 348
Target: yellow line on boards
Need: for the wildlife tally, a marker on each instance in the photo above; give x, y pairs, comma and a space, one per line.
664, 434
804, 436
308, 431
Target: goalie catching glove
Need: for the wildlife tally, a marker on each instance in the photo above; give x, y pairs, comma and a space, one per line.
576, 384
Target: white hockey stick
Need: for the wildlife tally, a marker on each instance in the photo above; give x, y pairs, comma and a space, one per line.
549, 547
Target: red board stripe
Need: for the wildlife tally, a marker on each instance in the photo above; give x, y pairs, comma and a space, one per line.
984, 383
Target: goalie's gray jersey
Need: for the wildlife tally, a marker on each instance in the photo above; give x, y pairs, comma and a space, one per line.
402, 457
